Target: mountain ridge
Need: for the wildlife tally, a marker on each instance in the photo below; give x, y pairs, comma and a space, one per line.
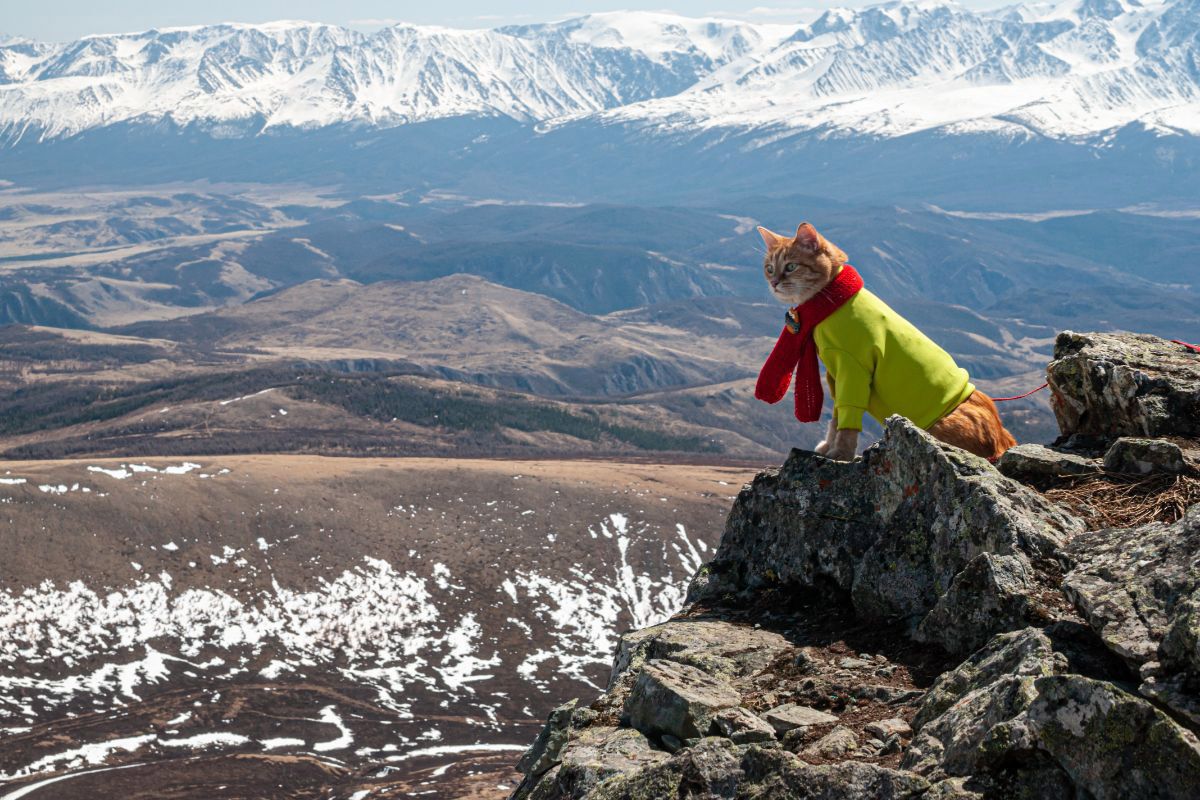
1082, 69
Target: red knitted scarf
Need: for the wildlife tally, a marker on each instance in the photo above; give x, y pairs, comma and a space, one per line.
797, 351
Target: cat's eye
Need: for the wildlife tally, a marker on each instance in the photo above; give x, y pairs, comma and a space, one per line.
789, 267
771, 270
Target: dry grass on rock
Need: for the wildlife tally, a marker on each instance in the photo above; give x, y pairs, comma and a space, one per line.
1115, 501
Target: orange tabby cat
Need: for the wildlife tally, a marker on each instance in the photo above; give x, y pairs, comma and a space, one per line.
879, 355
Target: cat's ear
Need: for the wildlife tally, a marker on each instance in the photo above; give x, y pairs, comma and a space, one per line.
769, 239
808, 239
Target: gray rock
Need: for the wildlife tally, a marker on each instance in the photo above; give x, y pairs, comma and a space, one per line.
1034, 463
549, 745
765, 679
805, 661
671, 743
677, 699
1121, 384
1176, 692
895, 529
1033, 781
790, 716
591, 757
1026, 652
901, 696
1110, 744
838, 743
717, 647
884, 693
1133, 456
1013, 698
710, 769
992, 593
884, 728
952, 789
779, 774
854, 663
742, 726
1137, 588
717, 769
797, 739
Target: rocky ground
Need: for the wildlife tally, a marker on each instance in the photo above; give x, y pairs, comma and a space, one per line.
921, 623
303, 627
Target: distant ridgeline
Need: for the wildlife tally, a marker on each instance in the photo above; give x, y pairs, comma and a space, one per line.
1019, 107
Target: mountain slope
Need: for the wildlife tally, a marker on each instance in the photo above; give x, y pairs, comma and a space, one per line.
465, 327
403, 624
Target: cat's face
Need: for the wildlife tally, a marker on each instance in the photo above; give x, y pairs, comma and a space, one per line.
799, 267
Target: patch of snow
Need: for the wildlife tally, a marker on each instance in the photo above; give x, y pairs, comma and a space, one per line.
85, 755
245, 397
206, 740
452, 749
119, 474
283, 741
330, 716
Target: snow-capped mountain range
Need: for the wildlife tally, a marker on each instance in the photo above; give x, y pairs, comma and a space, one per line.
1070, 71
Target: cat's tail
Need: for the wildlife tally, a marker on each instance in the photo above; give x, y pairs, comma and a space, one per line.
975, 426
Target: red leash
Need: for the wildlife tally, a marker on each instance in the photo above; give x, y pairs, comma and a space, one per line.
1020, 396
1195, 348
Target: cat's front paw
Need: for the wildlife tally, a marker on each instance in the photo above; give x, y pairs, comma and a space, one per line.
840, 453
843, 447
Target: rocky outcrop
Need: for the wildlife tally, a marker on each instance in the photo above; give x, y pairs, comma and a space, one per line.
1073, 734
916, 531
918, 623
1120, 384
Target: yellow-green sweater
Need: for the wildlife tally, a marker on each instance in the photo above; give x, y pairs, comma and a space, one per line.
881, 364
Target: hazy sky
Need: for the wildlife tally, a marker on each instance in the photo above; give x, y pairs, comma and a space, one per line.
59, 20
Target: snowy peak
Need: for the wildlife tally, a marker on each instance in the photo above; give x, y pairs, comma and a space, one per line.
307, 74
664, 38
1078, 68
